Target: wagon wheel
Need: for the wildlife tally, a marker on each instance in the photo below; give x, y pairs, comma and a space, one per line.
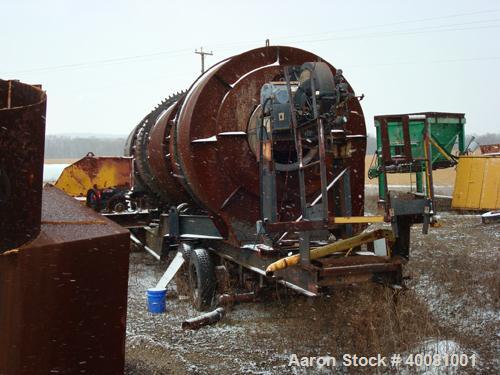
93, 199
202, 279
117, 203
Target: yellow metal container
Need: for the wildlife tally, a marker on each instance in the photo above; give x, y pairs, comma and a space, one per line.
477, 183
93, 172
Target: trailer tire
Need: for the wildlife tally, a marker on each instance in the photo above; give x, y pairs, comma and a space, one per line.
182, 276
202, 279
185, 249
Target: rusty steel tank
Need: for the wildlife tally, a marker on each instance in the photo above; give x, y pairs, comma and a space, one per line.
57, 259
22, 135
198, 147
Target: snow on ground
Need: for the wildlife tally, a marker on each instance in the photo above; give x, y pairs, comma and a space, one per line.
436, 357
451, 308
51, 172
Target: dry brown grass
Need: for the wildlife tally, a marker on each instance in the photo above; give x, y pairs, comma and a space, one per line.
455, 268
59, 161
366, 319
453, 295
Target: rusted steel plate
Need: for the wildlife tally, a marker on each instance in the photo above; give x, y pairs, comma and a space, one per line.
198, 148
228, 299
222, 101
149, 144
361, 268
490, 149
22, 135
63, 296
160, 157
296, 226
93, 172
355, 260
130, 220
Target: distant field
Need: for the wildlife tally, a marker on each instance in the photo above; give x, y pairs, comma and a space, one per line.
59, 161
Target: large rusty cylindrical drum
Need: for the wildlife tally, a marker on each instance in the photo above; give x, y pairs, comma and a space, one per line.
22, 136
199, 147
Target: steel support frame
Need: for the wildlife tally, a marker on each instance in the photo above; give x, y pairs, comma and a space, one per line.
306, 279
343, 205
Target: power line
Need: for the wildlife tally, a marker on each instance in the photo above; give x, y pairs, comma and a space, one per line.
145, 57
148, 82
100, 62
423, 62
369, 26
397, 33
406, 22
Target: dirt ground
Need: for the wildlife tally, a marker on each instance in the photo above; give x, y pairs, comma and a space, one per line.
452, 305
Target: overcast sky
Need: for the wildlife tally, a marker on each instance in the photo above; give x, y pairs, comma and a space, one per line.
105, 64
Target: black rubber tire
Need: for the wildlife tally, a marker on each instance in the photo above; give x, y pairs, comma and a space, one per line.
117, 203
202, 280
185, 249
182, 276
93, 200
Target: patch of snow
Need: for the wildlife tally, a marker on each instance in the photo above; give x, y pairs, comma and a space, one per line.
451, 308
51, 172
439, 355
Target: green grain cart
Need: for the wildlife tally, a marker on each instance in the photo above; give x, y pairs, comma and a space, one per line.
416, 143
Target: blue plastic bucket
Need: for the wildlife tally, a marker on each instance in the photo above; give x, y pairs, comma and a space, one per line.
156, 300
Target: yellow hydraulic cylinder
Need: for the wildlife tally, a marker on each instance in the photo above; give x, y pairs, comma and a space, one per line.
338, 246
357, 219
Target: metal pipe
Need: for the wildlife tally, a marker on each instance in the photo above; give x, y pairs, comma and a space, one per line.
317, 199
147, 248
298, 144
322, 167
338, 246
205, 319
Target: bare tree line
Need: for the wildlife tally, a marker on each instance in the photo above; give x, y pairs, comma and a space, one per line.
486, 139
68, 147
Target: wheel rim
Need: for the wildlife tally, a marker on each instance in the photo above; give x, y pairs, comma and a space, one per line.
119, 207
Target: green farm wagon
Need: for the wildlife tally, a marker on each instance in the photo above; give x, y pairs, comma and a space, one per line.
416, 143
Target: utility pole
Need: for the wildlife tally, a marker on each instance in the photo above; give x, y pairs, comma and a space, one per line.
202, 54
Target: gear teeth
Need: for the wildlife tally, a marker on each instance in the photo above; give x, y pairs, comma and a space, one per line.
136, 142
